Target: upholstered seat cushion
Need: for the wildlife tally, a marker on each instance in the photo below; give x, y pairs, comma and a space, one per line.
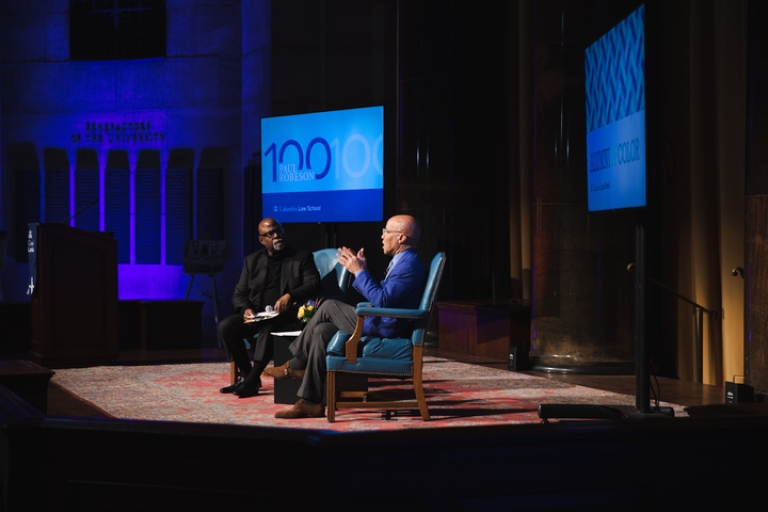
385, 356
389, 348
371, 346
371, 365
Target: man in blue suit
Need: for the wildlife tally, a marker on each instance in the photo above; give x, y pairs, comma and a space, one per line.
401, 288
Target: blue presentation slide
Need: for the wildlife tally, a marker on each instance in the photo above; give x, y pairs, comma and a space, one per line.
616, 166
615, 105
324, 166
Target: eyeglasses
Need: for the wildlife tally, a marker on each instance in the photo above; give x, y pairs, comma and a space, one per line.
385, 231
271, 234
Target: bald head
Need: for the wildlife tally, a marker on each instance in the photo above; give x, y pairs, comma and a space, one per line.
268, 224
406, 225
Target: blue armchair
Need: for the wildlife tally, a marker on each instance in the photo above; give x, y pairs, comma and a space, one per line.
383, 357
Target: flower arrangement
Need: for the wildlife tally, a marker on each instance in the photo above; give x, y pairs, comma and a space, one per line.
308, 309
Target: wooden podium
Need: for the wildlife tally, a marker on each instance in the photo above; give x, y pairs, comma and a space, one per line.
74, 299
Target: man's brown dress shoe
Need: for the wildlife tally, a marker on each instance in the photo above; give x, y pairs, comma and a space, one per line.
303, 409
283, 372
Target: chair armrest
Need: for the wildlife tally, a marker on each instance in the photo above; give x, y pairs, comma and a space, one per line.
365, 309
352, 342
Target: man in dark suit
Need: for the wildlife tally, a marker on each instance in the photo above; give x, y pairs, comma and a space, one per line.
277, 278
401, 288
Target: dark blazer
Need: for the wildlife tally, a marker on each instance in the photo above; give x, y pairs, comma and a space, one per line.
402, 288
299, 277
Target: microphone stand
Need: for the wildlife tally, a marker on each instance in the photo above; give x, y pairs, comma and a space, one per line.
69, 219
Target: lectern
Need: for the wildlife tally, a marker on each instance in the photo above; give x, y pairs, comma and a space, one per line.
73, 283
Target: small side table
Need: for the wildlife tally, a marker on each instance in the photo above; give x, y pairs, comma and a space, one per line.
286, 389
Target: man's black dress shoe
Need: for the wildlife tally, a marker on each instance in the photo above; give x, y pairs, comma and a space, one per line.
234, 387
248, 388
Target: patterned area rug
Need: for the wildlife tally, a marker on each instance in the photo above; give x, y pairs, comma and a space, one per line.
458, 395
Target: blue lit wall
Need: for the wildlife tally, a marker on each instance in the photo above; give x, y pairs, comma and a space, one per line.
150, 151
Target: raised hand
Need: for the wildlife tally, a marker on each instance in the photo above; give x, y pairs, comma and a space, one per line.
354, 262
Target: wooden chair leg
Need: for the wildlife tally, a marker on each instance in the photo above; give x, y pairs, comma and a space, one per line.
234, 372
330, 384
418, 382
418, 389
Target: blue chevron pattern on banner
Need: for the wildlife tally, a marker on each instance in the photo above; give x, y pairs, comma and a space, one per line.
615, 73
